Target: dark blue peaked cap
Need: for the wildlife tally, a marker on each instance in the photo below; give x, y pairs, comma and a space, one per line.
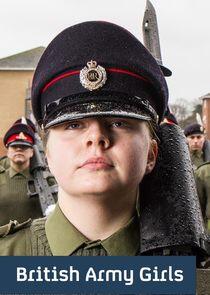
19, 134
134, 85
193, 128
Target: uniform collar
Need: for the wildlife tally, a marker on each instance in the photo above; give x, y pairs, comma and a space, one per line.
125, 242
12, 172
197, 153
64, 238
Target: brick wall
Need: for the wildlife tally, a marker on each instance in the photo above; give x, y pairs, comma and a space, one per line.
2, 148
206, 114
13, 85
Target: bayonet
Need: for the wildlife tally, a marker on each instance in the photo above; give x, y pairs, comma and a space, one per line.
151, 35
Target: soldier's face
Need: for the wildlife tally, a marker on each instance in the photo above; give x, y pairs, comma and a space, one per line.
196, 142
19, 154
98, 156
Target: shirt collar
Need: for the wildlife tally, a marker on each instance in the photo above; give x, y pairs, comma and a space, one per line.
25, 173
197, 153
126, 241
64, 238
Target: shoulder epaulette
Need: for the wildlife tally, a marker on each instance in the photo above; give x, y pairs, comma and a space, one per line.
2, 169
205, 163
13, 226
2, 158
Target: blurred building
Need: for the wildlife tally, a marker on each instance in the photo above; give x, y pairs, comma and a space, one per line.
206, 113
16, 73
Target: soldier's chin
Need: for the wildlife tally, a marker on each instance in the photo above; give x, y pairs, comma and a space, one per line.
19, 161
196, 148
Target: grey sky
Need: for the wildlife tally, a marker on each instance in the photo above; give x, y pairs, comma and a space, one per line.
184, 27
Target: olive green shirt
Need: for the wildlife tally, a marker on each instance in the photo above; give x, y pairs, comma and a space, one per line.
65, 239
57, 236
202, 177
30, 239
14, 201
197, 158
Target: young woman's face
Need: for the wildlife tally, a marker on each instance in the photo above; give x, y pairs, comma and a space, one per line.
98, 156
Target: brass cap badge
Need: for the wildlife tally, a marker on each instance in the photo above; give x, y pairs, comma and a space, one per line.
92, 77
22, 136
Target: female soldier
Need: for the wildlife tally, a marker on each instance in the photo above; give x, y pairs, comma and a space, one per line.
98, 94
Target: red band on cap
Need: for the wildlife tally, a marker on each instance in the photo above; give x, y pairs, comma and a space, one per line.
15, 137
72, 73
121, 71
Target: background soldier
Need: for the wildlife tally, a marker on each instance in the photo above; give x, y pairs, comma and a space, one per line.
199, 146
202, 177
14, 201
4, 161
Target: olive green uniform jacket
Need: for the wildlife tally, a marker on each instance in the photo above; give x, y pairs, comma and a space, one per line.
197, 159
200, 157
14, 201
57, 236
202, 177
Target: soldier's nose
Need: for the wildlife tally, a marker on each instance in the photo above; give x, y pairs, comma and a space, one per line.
98, 136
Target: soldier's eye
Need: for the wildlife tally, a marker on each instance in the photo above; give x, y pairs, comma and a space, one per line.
73, 125
118, 124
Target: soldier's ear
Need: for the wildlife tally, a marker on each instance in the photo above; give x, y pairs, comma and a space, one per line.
32, 152
152, 156
47, 151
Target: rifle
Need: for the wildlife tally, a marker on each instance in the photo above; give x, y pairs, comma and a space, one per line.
39, 186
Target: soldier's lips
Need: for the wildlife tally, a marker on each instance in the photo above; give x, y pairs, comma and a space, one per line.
18, 155
195, 147
97, 163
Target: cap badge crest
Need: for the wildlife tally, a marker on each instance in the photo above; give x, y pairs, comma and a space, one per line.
93, 76
22, 136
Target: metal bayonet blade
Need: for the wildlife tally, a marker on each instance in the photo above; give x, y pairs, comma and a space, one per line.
150, 32
151, 35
